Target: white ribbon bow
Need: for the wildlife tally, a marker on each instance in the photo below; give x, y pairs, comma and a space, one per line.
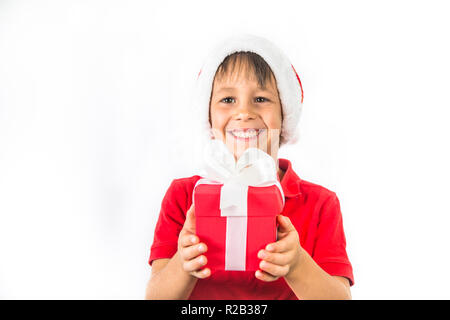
254, 168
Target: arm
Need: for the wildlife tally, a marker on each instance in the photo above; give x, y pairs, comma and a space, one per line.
286, 258
175, 278
169, 281
309, 281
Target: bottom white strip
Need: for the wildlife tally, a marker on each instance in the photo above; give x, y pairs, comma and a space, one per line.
236, 243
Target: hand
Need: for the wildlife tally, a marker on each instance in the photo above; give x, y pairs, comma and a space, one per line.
190, 250
280, 258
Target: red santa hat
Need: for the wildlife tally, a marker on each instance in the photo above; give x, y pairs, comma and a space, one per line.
288, 82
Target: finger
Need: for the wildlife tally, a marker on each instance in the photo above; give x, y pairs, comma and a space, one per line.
189, 223
191, 252
195, 264
202, 274
280, 259
264, 276
285, 224
279, 246
187, 239
273, 269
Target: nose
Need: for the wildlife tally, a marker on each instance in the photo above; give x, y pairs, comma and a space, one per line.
245, 112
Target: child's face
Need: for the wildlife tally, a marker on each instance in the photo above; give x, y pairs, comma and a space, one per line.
243, 115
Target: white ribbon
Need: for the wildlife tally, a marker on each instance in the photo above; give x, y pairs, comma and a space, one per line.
254, 168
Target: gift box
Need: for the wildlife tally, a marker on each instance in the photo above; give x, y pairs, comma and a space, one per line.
236, 204
234, 241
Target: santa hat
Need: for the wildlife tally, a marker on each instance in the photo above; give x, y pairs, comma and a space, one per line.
288, 82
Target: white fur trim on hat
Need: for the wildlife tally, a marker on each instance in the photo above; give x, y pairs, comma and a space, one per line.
288, 83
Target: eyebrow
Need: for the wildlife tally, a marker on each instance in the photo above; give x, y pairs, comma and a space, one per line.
232, 88
225, 88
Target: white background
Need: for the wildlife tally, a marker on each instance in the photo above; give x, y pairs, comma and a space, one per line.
95, 124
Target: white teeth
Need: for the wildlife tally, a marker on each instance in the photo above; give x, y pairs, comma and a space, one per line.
245, 134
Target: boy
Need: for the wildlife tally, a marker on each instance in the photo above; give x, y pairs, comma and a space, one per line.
253, 94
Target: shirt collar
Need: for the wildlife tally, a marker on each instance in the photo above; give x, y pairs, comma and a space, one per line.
291, 181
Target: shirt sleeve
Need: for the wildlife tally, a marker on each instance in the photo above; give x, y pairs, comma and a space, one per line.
170, 222
330, 246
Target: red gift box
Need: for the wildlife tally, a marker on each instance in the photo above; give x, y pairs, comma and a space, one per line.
263, 205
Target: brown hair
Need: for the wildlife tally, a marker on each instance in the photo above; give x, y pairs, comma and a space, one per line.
254, 63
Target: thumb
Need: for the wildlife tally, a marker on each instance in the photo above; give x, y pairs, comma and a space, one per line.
189, 224
285, 224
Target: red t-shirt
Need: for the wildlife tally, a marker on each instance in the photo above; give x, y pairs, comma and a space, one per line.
314, 211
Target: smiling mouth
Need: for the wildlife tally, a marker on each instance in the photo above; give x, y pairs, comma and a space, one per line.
245, 133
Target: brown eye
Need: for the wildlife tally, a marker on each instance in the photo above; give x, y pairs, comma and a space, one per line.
227, 99
261, 99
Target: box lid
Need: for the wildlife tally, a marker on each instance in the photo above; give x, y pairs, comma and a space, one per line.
261, 201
